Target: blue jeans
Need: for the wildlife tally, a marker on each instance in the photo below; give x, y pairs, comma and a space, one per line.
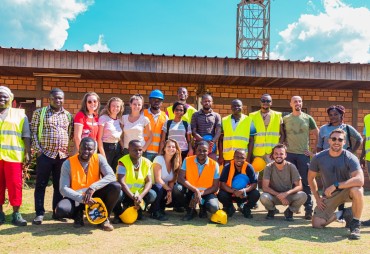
302, 162
150, 156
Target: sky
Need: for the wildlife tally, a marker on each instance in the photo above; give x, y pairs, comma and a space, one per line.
307, 30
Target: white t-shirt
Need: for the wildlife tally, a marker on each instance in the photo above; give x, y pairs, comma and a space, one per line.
177, 132
166, 177
134, 130
112, 129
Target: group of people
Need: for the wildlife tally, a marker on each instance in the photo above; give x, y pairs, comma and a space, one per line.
182, 157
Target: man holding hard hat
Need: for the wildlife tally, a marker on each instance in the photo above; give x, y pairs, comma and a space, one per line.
238, 183
86, 176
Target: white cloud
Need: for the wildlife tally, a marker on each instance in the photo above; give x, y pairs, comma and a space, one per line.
338, 34
99, 46
38, 23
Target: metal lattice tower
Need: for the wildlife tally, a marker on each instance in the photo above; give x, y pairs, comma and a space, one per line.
253, 29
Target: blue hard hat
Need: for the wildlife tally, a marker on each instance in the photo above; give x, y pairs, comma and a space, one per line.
240, 181
157, 94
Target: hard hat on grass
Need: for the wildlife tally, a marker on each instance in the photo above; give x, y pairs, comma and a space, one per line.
129, 216
219, 217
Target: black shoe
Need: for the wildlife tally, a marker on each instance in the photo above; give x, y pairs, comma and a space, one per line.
140, 214
54, 217
354, 228
179, 209
116, 220
190, 214
157, 215
270, 215
203, 212
2, 218
247, 213
307, 215
288, 214
18, 220
38, 220
276, 211
229, 211
347, 216
79, 219
365, 223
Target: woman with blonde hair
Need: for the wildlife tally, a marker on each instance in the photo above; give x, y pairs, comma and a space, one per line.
136, 124
110, 131
165, 170
86, 120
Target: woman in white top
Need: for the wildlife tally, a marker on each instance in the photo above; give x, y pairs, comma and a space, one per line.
165, 170
110, 131
136, 124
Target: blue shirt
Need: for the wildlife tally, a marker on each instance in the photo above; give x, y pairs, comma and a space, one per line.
201, 167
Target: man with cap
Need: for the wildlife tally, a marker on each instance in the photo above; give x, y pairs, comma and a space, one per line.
157, 119
182, 95
15, 149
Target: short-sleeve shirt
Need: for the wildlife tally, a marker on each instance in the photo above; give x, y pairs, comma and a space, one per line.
249, 172
134, 130
112, 129
201, 167
89, 125
178, 132
326, 129
281, 180
205, 123
334, 169
297, 129
166, 177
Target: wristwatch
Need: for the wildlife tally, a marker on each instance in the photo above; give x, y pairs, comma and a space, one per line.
336, 185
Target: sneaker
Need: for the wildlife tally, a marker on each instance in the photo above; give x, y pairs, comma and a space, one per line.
308, 215
365, 223
229, 211
179, 209
2, 218
202, 212
270, 215
106, 226
190, 214
355, 230
347, 216
18, 220
38, 220
79, 219
288, 214
157, 215
247, 213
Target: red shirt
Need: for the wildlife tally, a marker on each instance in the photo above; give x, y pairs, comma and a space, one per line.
90, 125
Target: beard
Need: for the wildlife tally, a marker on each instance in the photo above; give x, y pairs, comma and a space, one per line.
279, 161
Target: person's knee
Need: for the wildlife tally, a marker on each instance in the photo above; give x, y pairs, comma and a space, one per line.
318, 222
150, 196
302, 196
356, 192
213, 206
265, 198
178, 190
254, 195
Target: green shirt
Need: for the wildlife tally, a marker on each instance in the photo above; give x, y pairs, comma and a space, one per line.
297, 130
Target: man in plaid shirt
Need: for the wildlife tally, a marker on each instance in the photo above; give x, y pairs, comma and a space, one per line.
51, 129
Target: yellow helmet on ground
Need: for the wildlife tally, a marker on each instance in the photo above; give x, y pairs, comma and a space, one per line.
258, 164
129, 216
96, 213
219, 217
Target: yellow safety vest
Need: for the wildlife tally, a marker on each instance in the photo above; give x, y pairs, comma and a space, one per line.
11, 142
235, 139
265, 140
136, 184
186, 117
367, 137
156, 130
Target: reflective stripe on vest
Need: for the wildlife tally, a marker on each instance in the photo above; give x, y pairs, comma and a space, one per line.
235, 139
136, 184
265, 140
186, 117
11, 142
367, 137
203, 181
156, 130
232, 172
80, 180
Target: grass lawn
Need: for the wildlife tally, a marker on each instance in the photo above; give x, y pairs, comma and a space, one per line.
240, 235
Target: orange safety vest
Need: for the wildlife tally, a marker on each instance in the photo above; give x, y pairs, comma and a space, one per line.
232, 172
80, 180
156, 130
203, 181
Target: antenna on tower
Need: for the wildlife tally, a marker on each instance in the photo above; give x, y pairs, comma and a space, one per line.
253, 29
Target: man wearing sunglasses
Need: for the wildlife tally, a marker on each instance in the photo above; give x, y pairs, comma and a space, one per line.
342, 180
298, 126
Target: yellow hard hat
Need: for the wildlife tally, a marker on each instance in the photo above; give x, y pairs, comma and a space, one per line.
219, 217
96, 213
258, 164
129, 216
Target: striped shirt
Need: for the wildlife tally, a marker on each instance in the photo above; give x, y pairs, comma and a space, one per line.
55, 134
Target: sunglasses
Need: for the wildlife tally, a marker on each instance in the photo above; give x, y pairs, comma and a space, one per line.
335, 139
92, 102
265, 101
